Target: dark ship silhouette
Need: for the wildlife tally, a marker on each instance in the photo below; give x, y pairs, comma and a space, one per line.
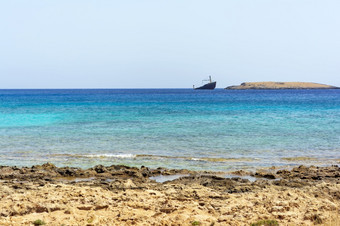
209, 85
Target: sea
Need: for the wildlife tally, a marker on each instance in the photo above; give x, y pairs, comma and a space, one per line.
213, 130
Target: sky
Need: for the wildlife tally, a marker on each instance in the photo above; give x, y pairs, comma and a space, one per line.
167, 44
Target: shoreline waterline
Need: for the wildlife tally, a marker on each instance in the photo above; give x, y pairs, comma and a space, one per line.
183, 162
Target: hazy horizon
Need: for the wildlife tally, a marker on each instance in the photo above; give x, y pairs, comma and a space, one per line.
167, 44
127, 88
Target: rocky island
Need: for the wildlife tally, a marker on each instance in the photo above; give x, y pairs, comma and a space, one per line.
281, 85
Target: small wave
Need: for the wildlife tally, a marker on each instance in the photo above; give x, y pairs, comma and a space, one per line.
205, 159
147, 156
300, 158
223, 159
195, 159
155, 156
110, 156
96, 155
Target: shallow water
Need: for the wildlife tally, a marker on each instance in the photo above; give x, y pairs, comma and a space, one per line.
164, 178
218, 130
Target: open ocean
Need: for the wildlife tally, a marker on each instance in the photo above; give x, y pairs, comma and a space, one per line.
218, 130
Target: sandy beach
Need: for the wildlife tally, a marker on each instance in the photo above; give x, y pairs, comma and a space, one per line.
120, 195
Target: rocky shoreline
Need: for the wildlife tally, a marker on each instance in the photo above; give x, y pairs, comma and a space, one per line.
121, 195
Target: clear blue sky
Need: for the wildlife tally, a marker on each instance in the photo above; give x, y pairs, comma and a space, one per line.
167, 43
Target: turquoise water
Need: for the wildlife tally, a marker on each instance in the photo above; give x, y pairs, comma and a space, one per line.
176, 128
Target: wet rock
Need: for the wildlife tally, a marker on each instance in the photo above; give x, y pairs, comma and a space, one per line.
68, 171
312, 173
133, 173
291, 183
234, 185
48, 166
145, 171
266, 175
282, 172
241, 173
100, 169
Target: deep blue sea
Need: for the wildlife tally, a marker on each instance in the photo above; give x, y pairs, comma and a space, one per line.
218, 130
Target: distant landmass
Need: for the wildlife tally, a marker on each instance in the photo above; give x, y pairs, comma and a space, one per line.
282, 85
